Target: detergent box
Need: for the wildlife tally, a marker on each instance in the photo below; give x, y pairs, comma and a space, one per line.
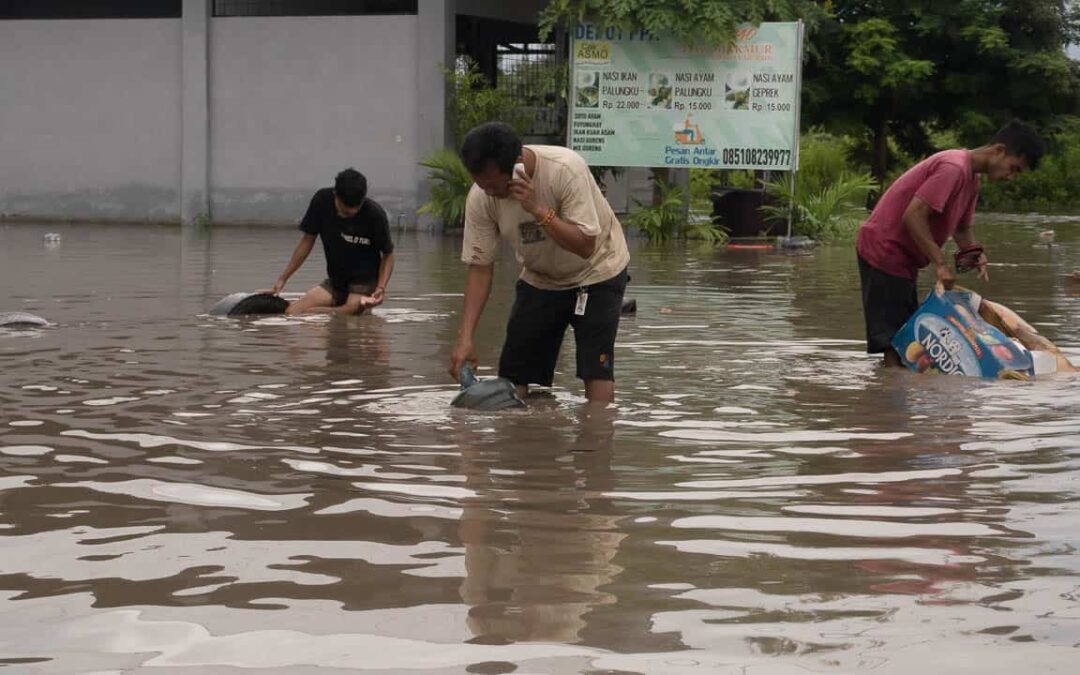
947, 335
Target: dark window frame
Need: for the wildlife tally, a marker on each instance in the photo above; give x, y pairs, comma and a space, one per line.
247, 8
14, 10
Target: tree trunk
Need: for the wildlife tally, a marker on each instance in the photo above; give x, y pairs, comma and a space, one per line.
662, 174
681, 177
880, 131
879, 161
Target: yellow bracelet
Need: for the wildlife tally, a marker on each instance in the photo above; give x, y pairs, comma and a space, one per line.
548, 218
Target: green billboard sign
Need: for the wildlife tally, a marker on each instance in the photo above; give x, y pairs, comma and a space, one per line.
644, 100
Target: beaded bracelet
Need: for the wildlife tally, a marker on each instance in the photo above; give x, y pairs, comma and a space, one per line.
548, 218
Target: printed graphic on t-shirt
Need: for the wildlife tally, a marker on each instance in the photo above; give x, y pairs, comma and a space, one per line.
355, 239
531, 233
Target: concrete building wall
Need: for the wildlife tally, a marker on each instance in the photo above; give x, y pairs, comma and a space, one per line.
293, 100
241, 117
90, 118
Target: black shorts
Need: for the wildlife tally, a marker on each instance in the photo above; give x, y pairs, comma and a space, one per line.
538, 322
888, 302
341, 294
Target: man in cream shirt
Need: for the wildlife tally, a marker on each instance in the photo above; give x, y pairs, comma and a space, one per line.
545, 202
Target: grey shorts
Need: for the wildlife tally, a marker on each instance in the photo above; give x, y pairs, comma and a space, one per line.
340, 295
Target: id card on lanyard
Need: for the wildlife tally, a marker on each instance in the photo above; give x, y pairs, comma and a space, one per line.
582, 300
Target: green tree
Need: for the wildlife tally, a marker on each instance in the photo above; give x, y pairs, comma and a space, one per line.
692, 21
473, 101
896, 70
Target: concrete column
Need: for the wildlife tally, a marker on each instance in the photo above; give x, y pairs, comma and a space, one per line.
195, 133
435, 26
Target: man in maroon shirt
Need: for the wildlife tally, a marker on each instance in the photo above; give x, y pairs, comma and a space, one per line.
931, 202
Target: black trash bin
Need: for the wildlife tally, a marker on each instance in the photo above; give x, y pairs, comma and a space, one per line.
736, 209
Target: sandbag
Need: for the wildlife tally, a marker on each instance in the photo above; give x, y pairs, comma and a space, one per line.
21, 320
494, 393
243, 303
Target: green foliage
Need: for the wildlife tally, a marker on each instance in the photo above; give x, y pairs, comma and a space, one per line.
892, 72
876, 56
450, 184
666, 219
660, 222
706, 22
535, 82
473, 101
834, 211
537, 86
830, 191
1053, 187
706, 232
701, 183
823, 159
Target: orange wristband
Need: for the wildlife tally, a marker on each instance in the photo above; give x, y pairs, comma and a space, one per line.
548, 218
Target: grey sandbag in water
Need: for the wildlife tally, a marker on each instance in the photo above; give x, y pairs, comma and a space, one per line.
21, 320
241, 304
495, 393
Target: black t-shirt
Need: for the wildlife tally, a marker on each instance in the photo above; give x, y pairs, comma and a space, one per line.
354, 246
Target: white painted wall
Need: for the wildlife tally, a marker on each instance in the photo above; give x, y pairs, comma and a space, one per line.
90, 118
293, 100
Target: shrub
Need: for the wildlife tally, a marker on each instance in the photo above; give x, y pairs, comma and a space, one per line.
666, 219
834, 211
450, 184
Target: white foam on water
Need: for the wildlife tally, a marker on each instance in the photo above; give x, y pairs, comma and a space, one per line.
388, 509
874, 529
745, 549
110, 401
173, 459
824, 479
443, 491
25, 450
9, 482
195, 494
156, 441
874, 511
79, 459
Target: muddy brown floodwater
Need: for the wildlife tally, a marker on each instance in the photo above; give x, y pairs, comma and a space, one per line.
187, 494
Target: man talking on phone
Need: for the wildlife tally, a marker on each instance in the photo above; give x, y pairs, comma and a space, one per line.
543, 200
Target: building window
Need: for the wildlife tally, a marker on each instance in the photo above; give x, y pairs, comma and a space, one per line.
90, 9
532, 74
312, 7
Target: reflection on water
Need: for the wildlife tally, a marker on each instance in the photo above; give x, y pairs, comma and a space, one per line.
201, 494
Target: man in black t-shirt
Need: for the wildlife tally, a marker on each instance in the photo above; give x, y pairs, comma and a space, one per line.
356, 240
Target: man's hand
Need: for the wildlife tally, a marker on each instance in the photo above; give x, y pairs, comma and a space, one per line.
369, 301
521, 189
945, 276
375, 299
275, 289
464, 352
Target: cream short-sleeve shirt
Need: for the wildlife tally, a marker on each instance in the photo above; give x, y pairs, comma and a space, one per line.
562, 181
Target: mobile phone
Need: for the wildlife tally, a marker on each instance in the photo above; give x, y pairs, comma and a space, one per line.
519, 171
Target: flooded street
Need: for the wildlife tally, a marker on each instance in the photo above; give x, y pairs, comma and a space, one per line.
182, 493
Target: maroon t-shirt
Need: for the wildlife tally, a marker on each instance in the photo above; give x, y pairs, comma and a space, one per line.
948, 185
